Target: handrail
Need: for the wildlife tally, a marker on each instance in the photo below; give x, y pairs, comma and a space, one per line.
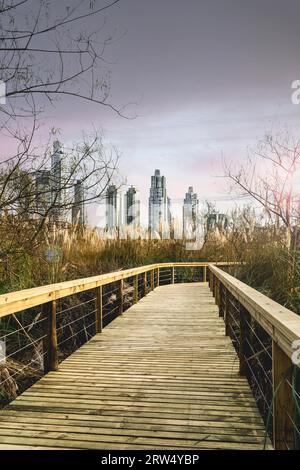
264, 334
279, 322
14, 302
47, 298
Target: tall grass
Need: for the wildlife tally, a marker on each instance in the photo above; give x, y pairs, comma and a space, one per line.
63, 254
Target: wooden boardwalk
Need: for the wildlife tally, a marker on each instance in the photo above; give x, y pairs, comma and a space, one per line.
161, 376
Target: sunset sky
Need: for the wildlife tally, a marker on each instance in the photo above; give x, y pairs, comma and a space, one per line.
209, 79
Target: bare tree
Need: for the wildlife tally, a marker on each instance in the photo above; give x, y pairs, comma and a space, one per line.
45, 53
48, 51
51, 50
269, 177
38, 195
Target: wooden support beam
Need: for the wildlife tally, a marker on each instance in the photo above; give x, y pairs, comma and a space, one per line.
216, 289
282, 402
121, 296
144, 284
135, 289
226, 313
204, 273
50, 340
152, 279
221, 296
243, 325
99, 309
172, 275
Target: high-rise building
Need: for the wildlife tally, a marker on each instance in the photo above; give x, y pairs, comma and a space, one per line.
212, 220
78, 216
159, 206
222, 222
56, 182
190, 213
132, 207
43, 193
218, 221
114, 207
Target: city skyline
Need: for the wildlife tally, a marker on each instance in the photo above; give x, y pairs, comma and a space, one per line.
123, 209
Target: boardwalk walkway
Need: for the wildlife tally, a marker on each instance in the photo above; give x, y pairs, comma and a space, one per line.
161, 376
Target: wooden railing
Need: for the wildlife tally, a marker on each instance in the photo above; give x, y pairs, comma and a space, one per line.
266, 337
44, 309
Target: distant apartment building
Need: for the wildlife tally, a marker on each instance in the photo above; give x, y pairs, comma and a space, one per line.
48, 188
56, 181
114, 207
218, 221
190, 213
43, 193
159, 206
132, 207
223, 222
78, 209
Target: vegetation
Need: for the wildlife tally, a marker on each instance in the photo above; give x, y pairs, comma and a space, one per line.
64, 254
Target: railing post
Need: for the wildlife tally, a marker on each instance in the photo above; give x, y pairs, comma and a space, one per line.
50, 340
152, 279
158, 272
282, 399
204, 273
242, 321
216, 290
145, 283
226, 313
135, 289
219, 294
121, 289
99, 308
172, 275
221, 289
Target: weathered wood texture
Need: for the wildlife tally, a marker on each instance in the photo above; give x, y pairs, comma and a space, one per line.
280, 323
161, 376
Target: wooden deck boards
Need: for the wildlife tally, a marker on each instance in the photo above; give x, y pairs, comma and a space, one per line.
161, 376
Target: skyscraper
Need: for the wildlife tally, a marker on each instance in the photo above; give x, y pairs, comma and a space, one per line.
56, 183
159, 206
215, 221
78, 204
190, 213
132, 207
114, 207
43, 193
